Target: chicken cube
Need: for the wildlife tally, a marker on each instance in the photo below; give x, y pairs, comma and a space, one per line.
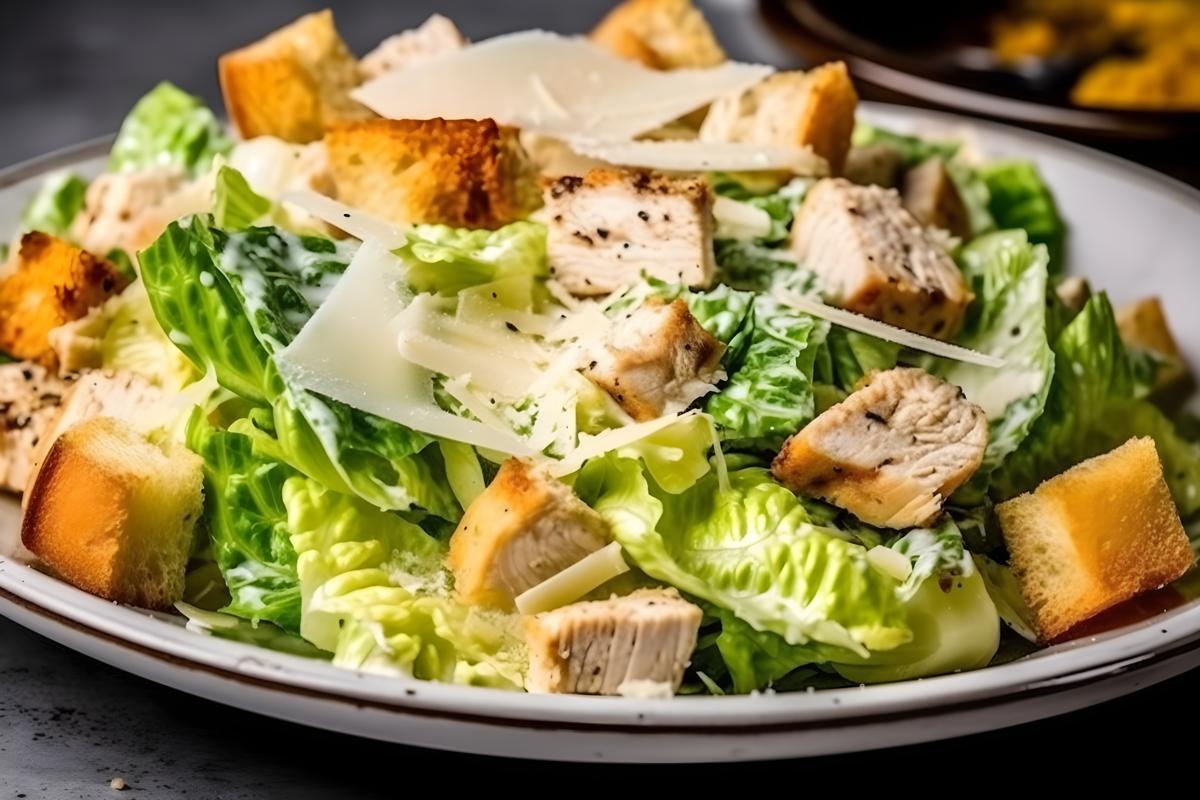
656, 360
660, 34
436, 36
931, 196
874, 258
54, 282
293, 83
118, 206
524, 528
610, 226
790, 109
891, 452
636, 645
464, 173
876, 164
30, 396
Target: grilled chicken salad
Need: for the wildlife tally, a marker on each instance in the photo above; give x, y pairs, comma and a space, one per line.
581, 365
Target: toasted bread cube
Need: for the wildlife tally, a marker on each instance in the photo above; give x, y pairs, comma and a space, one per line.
293, 83
655, 360
791, 109
637, 645
1096, 535
54, 282
874, 258
891, 452
660, 34
436, 36
464, 173
122, 396
114, 515
30, 396
524, 528
931, 196
1144, 324
607, 228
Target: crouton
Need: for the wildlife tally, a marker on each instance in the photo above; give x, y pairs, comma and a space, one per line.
54, 282
874, 258
464, 173
523, 529
891, 452
1094, 536
1144, 324
931, 196
656, 360
637, 645
436, 36
122, 396
293, 83
114, 515
791, 109
29, 401
608, 227
660, 34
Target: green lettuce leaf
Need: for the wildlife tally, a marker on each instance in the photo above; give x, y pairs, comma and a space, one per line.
235, 205
1018, 197
169, 128
56, 204
446, 260
913, 149
854, 355
247, 525
376, 594
1009, 277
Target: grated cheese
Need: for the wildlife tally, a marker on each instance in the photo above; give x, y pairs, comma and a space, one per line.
609, 440
564, 588
739, 220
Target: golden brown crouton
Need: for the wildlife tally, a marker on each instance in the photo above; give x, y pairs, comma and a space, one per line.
54, 282
114, 514
293, 83
1094, 536
29, 401
791, 109
465, 173
637, 645
1144, 324
660, 34
523, 529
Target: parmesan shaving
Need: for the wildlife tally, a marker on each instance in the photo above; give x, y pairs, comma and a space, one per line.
698, 156
557, 85
889, 562
889, 333
585, 575
740, 220
357, 223
613, 439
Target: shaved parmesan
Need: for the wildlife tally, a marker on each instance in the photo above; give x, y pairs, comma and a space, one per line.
590, 572
697, 156
889, 333
889, 562
357, 223
609, 440
347, 352
739, 220
543, 82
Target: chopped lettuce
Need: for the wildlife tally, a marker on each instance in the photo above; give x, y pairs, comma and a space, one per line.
446, 260
56, 204
235, 205
1008, 319
375, 593
169, 128
1019, 198
854, 355
134, 342
913, 149
756, 263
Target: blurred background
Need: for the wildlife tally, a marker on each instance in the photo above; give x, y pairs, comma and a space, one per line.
1117, 75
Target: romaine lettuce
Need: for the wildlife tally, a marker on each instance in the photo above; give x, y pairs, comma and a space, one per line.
56, 204
446, 260
1018, 197
169, 128
235, 205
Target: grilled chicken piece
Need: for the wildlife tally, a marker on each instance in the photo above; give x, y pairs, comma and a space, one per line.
656, 360
874, 258
634, 645
119, 208
524, 528
435, 37
891, 452
610, 226
931, 196
876, 164
1074, 292
120, 395
29, 399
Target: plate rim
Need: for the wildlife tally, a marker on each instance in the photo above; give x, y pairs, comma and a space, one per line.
1071, 664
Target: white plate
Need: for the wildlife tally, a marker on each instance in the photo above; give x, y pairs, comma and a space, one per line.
1134, 232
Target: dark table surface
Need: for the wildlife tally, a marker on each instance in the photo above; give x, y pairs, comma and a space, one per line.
68, 72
